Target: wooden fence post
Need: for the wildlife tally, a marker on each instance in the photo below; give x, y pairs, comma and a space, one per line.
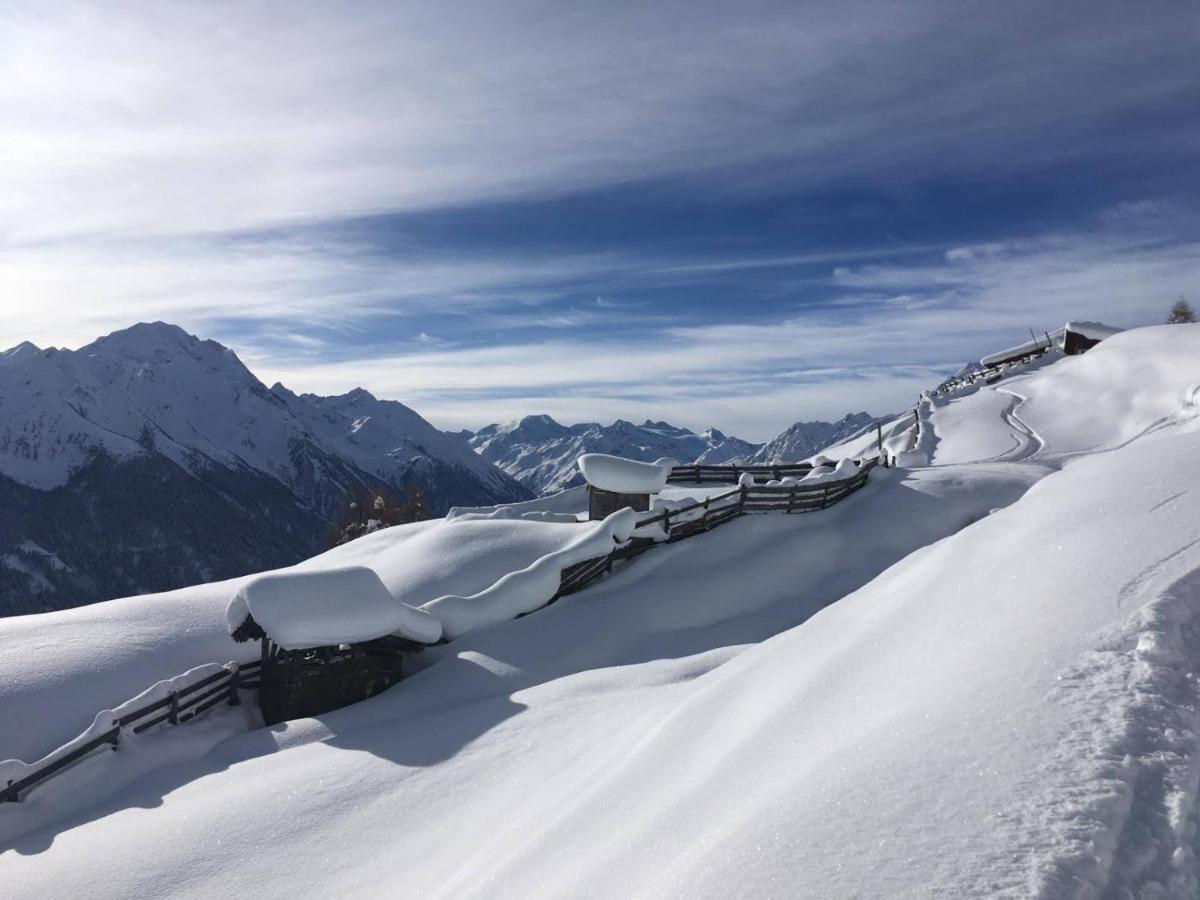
742, 492
791, 500
234, 680
824, 495
704, 515
173, 709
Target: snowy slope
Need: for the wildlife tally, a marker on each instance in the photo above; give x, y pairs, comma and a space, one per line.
974, 679
150, 459
541, 453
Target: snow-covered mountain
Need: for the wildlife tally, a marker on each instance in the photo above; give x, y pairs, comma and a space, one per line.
150, 459
974, 678
541, 453
805, 439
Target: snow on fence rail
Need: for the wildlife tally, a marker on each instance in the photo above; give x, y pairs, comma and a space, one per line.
684, 521
166, 701
732, 473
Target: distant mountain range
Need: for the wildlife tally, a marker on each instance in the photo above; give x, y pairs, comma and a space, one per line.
151, 459
541, 453
806, 439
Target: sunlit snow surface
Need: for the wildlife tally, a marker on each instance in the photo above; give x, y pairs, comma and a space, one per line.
972, 679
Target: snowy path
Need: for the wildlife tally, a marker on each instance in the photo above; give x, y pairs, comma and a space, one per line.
1029, 443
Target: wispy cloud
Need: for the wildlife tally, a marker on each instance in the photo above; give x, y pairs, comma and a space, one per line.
740, 213
812, 364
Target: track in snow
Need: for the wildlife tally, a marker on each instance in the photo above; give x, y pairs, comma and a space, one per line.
1031, 442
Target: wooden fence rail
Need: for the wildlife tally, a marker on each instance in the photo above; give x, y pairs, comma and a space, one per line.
731, 473
683, 522
176, 708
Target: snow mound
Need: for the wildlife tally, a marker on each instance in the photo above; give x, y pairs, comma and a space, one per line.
1131, 383
625, 476
527, 589
299, 610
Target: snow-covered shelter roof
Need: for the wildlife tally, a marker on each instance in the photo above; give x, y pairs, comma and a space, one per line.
625, 476
1054, 338
1096, 331
298, 610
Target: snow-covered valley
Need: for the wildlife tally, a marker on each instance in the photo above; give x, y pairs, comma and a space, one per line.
976, 677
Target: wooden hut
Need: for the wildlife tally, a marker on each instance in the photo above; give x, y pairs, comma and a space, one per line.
616, 483
1079, 337
328, 639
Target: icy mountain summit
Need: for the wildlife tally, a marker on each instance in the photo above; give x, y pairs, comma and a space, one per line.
805, 439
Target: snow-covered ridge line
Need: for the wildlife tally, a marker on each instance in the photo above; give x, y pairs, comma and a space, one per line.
175, 700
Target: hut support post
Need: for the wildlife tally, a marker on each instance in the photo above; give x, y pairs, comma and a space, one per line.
234, 679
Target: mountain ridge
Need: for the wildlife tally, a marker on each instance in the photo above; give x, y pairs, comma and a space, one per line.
152, 405
541, 453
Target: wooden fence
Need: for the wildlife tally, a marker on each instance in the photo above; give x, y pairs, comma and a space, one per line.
731, 473
679, 523
990, 374
176, 708
704, 515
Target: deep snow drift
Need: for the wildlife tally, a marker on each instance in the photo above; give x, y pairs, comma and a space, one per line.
299, 610
977, 678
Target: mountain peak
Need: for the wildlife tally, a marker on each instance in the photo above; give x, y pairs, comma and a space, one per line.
541, 419
25, 348
152, 331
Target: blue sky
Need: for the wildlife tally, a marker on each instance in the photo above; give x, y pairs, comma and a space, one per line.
718, 214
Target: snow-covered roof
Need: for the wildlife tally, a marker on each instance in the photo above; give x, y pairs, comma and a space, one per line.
1096, 331
1023, 349
625, 476
298, 610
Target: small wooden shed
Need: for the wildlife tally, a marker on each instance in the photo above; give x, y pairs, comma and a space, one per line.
1079, 337
616, 483
328, 639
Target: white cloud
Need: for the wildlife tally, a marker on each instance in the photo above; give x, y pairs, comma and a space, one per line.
976, 251
147, 119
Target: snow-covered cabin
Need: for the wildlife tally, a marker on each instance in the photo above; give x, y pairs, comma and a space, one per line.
329, 638
615, 482
1079, 337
